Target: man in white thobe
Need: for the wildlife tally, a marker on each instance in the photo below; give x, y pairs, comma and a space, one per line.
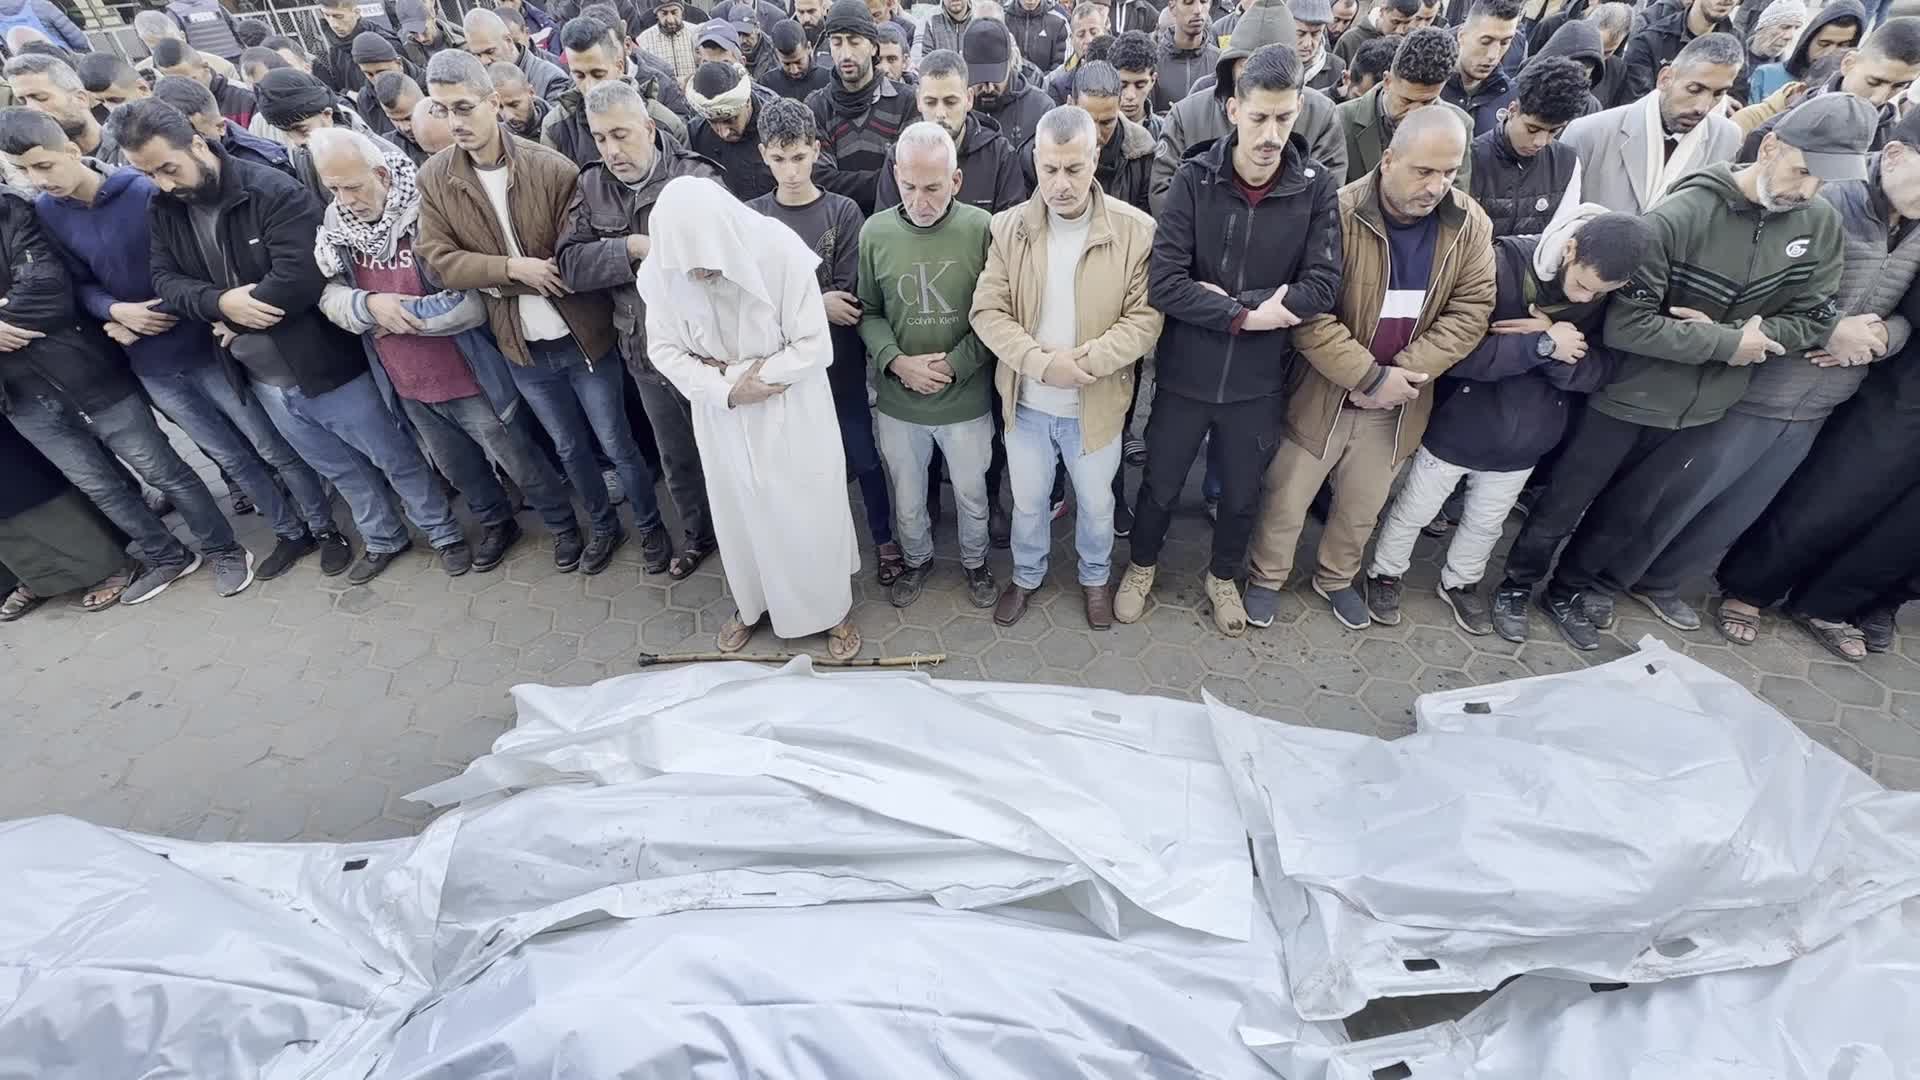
736, 322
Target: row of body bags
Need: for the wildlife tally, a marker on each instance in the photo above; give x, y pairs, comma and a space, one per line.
733, 871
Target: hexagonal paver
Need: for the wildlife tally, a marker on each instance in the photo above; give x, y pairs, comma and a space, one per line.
1870, 727
666, 629
1010, 660
1798, 698
1846, 683
1070, 650
1384, 657
1172, 666
1441, 646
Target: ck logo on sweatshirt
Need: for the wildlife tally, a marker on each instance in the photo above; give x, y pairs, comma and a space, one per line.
921, 289
1798, 246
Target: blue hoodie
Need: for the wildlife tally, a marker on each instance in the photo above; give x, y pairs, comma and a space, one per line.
105, 246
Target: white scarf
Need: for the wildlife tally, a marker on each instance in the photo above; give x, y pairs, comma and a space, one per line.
1663, 171
1313, 69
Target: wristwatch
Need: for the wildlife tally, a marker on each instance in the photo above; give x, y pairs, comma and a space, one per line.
1544, 347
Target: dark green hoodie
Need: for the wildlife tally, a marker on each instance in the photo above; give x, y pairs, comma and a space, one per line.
1718, 253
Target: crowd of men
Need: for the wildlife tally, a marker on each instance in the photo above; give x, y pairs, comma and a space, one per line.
1641, 276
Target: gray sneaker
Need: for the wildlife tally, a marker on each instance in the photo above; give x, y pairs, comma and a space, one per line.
232, 571
154, 580
1470, 610
1349, 607
1383, 600
1262, 605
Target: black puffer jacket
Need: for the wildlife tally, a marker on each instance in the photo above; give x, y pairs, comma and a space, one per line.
1042, 34
1520, 194
1207, 232
592, 248
74, 357
266, 225
1504, 406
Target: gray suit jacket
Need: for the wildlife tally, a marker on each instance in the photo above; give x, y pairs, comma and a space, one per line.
1613, 154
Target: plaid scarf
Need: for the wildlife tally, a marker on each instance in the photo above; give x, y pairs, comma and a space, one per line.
373, 239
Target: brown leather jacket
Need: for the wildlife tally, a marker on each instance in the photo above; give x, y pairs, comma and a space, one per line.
461, 241
1453, 319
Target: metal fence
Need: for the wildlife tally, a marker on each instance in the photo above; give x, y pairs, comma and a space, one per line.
110, 25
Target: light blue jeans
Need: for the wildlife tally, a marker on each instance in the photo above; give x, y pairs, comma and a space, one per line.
1034, 441
906, 449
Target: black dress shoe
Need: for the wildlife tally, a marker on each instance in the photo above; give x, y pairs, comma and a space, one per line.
374, 563
495, 542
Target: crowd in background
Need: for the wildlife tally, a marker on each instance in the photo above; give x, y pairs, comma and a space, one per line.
1640, 275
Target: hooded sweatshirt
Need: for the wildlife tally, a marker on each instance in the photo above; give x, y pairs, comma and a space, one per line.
1767, 78
1180, 68
1583, 41
1718, 253
1655, 44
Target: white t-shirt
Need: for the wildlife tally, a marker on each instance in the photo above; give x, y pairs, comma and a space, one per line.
1059, 324
540, 320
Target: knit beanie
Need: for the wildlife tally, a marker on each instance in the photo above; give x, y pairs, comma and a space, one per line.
851, 17
1320, 11
286, 97
371, 48
1780, 11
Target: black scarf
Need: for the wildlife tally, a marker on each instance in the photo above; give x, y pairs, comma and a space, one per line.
854, 103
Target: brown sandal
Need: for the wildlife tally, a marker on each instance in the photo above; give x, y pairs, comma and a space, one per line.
112, 586
843, 641
18, 602
735, 634
1722, 618
685, 563
893, 562
1834, 636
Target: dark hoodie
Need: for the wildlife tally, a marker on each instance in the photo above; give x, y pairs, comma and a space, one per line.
1019, 110
1767, 78
741, 167
1750, 149
1180, 68
1583, 41
990, 174
342, 73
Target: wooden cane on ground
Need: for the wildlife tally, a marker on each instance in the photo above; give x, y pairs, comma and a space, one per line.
915, 660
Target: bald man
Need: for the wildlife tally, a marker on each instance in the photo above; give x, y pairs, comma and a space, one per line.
1416, 293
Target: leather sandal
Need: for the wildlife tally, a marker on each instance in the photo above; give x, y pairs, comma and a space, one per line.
843, 641
112, 586
1724, 618
684, 564
892, 562
734, 635
1834, 636
18, 603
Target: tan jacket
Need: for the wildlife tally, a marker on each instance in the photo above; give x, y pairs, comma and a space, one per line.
1454, 318
461, 241
1110, 304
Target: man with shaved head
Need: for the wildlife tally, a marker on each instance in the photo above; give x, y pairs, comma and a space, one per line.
489, 41
1417, 289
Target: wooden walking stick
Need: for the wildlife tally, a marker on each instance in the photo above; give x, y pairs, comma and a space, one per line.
915, 660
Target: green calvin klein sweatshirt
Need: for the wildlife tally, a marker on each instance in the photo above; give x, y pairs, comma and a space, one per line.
916, 295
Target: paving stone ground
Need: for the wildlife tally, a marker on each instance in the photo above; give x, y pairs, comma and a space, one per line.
305, 710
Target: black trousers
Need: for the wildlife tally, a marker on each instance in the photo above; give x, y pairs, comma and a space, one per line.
1844, 503
1247, 434
1599, 450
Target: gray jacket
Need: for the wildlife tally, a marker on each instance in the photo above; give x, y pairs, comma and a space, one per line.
546, 78
1613, 155
1874, 277
1202, 117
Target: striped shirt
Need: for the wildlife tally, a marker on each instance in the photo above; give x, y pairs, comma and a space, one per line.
1409, 270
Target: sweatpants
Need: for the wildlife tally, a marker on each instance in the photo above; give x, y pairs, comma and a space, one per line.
1756, 457
1247, 433
1600, 451
1360, 462
1862, 465
1430, 482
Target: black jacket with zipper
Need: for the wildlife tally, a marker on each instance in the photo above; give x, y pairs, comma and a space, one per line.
74, 357
1505, 406
1207, 232
266, 227
1520, 194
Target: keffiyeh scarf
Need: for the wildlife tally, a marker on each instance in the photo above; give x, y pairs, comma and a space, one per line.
374, 239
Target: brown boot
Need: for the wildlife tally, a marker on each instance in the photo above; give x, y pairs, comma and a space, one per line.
1012, 605
1099, 606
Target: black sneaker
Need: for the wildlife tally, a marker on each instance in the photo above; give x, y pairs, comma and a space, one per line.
1510, 614
1134, 451
1671, 610
284, 554
456, 558
335, 553
600, 551
1439, 526
981, 591
495, 542
906, 588
158, 503
999, 527
1349, 609
1599, 607
374, 563
1383, 600
566, 551
656, 549
1470, 610
1878, 627
242, 506
1568, 614
1122, 520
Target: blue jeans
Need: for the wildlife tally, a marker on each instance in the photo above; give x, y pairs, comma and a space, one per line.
350, 437
462, 434
581, 402
1034, 442
83, 446
234, 431
907, 449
